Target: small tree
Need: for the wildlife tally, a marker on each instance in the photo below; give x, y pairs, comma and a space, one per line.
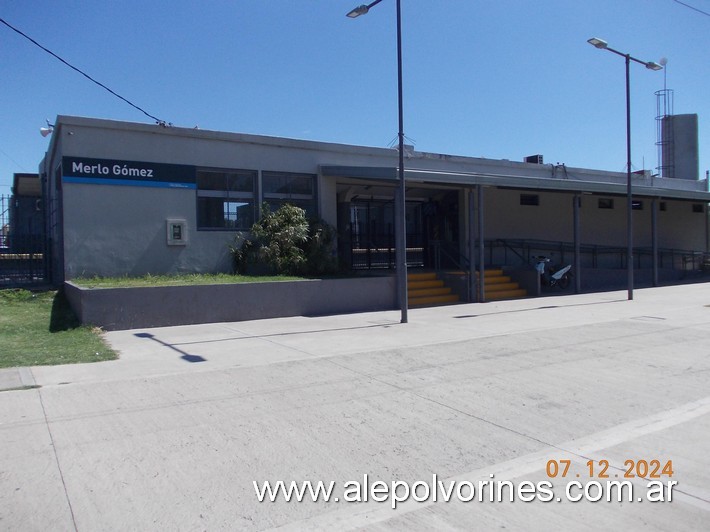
284, 242
276, 241
320, 248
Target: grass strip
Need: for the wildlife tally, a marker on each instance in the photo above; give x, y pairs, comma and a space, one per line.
39, 329
176, 280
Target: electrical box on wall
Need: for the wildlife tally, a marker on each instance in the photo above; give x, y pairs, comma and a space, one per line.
177, 232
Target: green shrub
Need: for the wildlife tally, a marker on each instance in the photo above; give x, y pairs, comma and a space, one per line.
320, 248
284, 242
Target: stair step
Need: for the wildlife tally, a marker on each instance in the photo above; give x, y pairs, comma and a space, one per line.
426, 289
424, 276
491, 273
432, 300
440, 291
501, 287
502, 279
416, 285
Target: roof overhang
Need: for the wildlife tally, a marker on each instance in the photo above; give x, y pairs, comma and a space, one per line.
379, 173
465, 179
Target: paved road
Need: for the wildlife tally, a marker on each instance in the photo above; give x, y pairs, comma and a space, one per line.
173, 435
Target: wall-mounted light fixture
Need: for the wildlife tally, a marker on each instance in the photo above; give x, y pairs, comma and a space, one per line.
44, 131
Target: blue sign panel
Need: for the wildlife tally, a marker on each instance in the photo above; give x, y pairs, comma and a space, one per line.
83, 170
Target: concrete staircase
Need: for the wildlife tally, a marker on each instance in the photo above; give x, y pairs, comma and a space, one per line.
426, 289
499, 286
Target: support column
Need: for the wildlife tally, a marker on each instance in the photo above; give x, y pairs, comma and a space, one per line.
577, 203
401, 251
481, 249
654, 239
471, 246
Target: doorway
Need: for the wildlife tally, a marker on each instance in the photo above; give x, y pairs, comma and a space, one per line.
432, 231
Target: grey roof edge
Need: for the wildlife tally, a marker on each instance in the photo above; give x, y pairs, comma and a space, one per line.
561, 185
207, 134
511, 181
575, 182
360, 172
360, 150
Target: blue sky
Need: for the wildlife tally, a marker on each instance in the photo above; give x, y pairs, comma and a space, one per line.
501, 79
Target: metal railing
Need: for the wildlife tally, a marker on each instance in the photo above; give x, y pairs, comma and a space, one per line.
23, 256
592, 255
443, 254
377, 251
23, 262
4, 221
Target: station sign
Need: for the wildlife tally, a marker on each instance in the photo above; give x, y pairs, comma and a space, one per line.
83, 170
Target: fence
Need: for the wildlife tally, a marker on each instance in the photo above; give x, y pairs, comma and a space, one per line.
522, 252
377, 251
23, 255
4, 221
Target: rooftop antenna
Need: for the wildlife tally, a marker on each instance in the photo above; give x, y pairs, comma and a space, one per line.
665, 141
664, 61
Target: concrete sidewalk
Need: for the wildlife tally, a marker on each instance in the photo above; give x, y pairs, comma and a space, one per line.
16, 379
174, 433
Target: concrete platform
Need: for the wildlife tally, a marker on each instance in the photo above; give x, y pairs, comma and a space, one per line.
174, 433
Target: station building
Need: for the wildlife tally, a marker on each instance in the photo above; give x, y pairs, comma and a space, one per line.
128, 199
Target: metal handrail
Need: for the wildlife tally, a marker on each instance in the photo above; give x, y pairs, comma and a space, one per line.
508, 246
461, 262
523, 247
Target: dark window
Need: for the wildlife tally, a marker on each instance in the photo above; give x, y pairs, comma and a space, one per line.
229, 181
290, 184
698, 207
225, 199
529, 199
286, 187
637, 205
606, 203
662, 206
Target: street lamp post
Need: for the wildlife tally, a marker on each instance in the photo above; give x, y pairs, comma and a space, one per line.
602, 45
401, 217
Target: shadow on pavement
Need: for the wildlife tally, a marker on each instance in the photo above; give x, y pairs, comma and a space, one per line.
187, 357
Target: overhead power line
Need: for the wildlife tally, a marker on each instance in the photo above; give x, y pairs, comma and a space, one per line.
693, 8
157, 120
13, 160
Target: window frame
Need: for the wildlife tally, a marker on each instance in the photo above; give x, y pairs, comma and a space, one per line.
294, 198
227, 195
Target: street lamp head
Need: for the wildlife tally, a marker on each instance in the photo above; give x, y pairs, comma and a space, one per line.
653, 66
359, 10
598, 43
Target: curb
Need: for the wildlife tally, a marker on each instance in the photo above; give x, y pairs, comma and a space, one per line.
16, 379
